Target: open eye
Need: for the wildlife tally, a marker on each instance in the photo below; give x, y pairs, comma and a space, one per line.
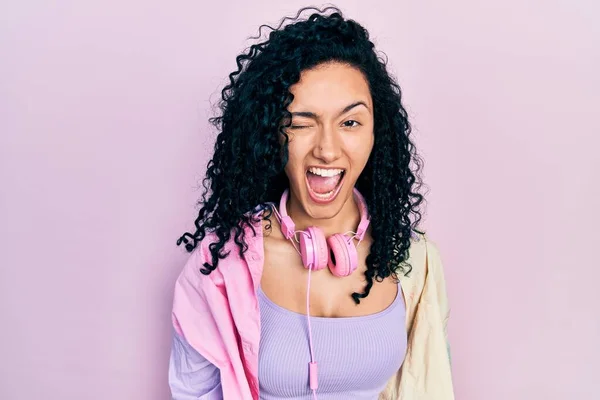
351, 123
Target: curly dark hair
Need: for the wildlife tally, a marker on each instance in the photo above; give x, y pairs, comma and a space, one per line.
247, 168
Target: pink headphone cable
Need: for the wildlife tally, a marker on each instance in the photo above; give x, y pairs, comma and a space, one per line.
312, 371
349, 237
312, 368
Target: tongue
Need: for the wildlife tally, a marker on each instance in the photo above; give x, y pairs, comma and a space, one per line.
321, 184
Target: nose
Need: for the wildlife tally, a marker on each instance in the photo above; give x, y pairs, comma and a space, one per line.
328, 146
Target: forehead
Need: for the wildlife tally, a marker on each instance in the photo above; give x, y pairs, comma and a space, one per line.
328, 88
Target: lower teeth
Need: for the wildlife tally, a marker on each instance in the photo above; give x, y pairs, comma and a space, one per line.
325, 195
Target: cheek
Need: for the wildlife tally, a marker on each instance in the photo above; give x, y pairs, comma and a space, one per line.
294, 163
361, 149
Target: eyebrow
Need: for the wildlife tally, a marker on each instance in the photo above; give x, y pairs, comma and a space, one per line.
309, 114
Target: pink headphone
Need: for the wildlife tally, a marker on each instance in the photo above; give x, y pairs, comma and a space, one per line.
338, 252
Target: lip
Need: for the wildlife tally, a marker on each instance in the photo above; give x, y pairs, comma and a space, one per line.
333, 196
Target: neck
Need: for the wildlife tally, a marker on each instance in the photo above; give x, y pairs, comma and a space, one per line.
345, 221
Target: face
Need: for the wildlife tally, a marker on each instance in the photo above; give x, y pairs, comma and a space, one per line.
331, 138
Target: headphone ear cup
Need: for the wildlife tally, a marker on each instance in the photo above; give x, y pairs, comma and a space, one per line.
313, 248
343, 259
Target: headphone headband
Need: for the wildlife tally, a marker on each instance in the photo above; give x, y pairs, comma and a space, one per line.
288, 227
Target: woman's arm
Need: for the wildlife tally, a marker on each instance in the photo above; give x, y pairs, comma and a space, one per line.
191, 376
437, 268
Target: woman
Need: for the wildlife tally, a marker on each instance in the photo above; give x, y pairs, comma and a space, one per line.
308, 276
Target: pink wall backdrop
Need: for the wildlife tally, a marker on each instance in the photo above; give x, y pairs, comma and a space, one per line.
104, 137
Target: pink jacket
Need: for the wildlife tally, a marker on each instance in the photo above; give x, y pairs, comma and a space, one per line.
219, 317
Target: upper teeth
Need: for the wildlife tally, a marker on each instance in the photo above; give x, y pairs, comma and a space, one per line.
326, 172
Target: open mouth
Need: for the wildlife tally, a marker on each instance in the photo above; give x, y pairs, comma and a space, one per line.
324, 184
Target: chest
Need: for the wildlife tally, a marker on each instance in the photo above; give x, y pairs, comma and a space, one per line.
356, 356
285, 280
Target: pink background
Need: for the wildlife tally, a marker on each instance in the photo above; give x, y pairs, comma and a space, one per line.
104, 137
